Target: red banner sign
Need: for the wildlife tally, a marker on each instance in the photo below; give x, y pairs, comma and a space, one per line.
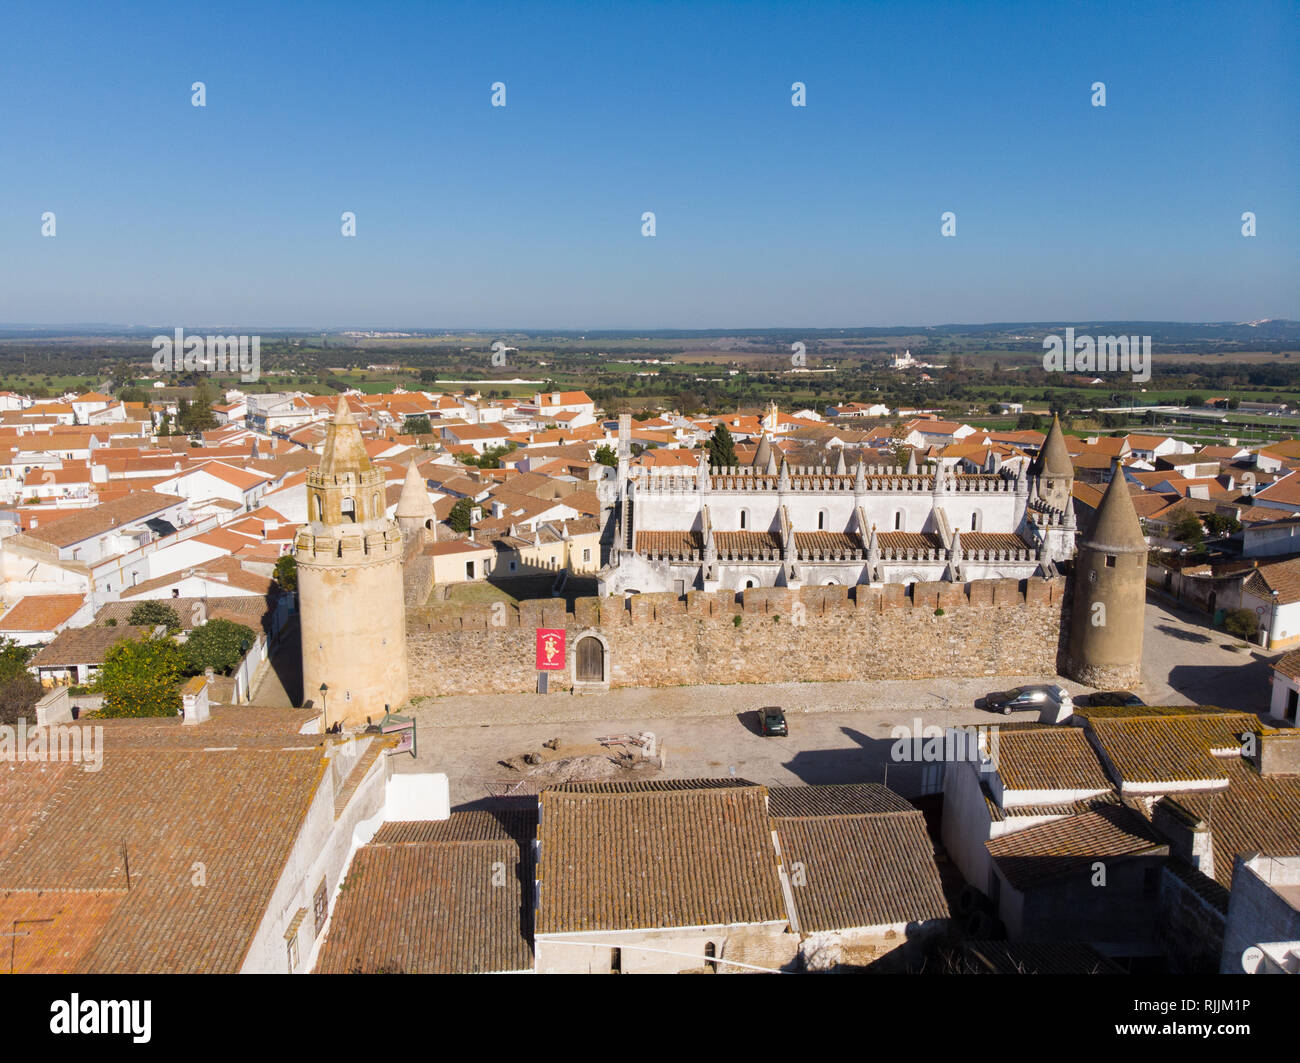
550, 649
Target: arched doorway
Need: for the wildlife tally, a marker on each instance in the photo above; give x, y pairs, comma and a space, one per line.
590, 662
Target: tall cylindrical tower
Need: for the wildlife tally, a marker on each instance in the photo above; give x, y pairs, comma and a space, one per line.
351, 603
1106, 620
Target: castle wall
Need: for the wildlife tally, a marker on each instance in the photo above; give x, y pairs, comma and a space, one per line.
1005, 627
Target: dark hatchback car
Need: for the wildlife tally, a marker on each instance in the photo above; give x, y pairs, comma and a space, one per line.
1115, 697
771, 721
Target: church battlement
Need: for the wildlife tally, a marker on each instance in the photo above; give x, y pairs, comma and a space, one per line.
808, 479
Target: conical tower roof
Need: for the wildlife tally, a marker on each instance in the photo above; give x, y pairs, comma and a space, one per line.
414, 500
1054, 459
345, 450
762, 454
1116, 529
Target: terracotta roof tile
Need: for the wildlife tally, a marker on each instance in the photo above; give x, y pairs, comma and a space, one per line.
41, 612
1070, 846
862, 870
1048, 758
630, 860
1170, 750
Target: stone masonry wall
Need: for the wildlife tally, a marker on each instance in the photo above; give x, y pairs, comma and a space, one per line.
992, 627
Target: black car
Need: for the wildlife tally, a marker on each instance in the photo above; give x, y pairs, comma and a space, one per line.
1115, 697
1028, 699
771, 721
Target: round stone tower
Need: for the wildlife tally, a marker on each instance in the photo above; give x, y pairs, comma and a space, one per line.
1106, 620
351, 605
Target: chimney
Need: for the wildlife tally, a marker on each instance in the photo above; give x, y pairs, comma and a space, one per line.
1277, 752
194, 698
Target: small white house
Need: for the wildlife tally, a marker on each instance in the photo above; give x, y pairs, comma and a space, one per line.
1284, 705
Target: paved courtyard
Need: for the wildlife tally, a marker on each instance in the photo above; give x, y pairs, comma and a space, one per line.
839, 732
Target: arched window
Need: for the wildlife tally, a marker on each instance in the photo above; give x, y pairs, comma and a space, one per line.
821, 520
318, 507
898, 520
974, 522
349, 509
710, 955
744, 519
374, 504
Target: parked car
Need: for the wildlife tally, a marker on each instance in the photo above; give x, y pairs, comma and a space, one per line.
771, 721
1114, 697
1029, 698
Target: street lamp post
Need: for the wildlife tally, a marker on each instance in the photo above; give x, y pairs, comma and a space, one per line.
324, 708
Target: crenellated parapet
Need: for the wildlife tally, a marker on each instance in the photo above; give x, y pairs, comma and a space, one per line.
346, 546
807, 479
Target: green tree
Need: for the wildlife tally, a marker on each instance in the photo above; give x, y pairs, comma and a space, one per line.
14, 659
18, 697
1241, 622
417, 426
605, 455
151, 614
286, 572
460, 515
133, 394
218, 644
140, 677
1234, 403
197, 416
19, 690
1219, 524
1186, 528
722, 448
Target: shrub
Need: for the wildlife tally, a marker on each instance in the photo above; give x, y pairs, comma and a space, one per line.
736, 620
938, 612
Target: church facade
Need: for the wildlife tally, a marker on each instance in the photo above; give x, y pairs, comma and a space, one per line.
773, 525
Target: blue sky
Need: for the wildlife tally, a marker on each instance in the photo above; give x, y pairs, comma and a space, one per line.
530, 215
